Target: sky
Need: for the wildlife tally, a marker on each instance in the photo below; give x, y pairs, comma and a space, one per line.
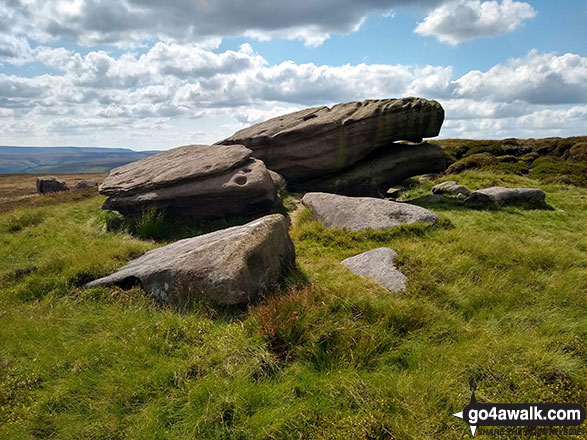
150, 74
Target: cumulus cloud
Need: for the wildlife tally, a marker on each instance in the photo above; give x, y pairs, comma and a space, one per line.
536, 79
464, 20
124, 23
153, 100
14, 50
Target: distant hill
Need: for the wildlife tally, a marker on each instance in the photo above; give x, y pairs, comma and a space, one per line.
65, 159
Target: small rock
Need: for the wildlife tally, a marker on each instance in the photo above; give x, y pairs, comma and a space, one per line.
394, 193
426, 177
450, 187
498, 196
85, 184
50, 184
357, 213
377, 265
226, 267
432, 199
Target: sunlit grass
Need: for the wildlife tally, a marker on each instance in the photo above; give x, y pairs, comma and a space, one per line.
492, 296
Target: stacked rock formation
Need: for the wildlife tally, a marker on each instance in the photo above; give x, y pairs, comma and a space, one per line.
350, 148
199, 181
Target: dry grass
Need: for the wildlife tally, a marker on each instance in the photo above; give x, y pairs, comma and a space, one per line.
21, 189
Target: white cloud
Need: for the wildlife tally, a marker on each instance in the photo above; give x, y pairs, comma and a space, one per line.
155, 101
536, 79
14, 50
463, 20
131, 22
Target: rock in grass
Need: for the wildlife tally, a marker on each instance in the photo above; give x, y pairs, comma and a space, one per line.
85, 184
357, 213
497, 196
319, 141
198, 181
450, 187
226, 267
50, 184
377, 265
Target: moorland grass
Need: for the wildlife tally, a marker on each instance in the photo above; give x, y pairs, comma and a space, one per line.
497, 297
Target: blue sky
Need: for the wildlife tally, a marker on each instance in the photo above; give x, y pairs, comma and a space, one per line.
154, 75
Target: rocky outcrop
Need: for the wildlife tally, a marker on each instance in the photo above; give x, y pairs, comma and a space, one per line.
321, 141
452, 188
378, 266
373, 175
199, 181
85, 184
497, 196
50, 184
357, 213
226, 267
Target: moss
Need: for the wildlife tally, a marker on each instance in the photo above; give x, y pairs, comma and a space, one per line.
555, 170
475, 161
578, 152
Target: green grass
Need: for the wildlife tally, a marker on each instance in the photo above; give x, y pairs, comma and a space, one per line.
493, 296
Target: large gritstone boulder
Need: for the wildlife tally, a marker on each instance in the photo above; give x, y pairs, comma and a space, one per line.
199, 181
383, 168
357, 213
226, 267
319, 141
50, 184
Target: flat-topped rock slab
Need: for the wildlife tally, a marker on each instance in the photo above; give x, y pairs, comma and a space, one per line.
200, 181
377, 265
358, 213
498, 196
318, 141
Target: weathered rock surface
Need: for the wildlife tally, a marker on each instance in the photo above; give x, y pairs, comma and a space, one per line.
377, 265
319, 141
373, 175
195, 180
497, 196
85, 184
278, 179
50, 184
450, 187
226, 267
357, 213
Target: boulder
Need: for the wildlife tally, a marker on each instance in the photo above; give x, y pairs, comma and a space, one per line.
278, 180
199, 181
319, 141
450, 187
377, 265
373, 175
226, 267
358, 213
50, 184
498, 196
85, 184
